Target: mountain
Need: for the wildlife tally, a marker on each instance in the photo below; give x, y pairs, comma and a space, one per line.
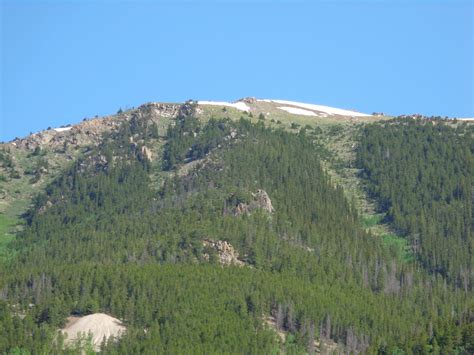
36, 159
259, 226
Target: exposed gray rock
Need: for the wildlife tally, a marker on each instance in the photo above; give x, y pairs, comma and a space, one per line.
89, 131
248, 100
225, 251
261, 200
43, 208
147, 153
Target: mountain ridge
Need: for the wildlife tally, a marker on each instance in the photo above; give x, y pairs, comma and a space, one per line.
169, 109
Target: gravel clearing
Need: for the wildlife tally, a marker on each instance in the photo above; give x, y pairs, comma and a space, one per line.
99, 325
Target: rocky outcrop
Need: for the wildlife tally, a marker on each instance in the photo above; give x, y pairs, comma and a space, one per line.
226, 253
46, 206
155, 111
248, 100
189, 108
261, 200
147, 153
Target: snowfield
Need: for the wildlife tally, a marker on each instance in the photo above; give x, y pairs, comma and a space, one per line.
297, 111
242, 106
297, 108
62, 129
320, 108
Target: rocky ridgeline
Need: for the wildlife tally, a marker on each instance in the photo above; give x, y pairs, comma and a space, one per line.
261, 201
155, 111
82, 134
89, 131
226, 253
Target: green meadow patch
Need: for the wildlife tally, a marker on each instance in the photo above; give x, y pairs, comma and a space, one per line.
7, 234
396, 244
399, 245
371, 220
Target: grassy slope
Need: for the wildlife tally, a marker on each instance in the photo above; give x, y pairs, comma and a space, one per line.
8, 226
341, 142
17, 193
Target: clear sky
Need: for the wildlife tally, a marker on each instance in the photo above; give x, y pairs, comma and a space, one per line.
62, 61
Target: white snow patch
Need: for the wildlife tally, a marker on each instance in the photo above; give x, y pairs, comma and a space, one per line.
62, 129
99, 325
465, 118
297, 111
320, 108
242, 106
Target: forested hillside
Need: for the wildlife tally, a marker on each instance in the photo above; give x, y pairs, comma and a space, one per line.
422, 175
106, 237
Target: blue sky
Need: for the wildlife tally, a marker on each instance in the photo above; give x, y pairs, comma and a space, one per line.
64, 61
